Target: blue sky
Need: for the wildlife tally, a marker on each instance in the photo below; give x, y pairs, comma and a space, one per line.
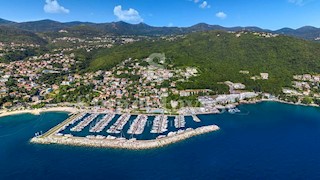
271, 14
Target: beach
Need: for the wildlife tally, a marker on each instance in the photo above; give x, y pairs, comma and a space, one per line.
4, 113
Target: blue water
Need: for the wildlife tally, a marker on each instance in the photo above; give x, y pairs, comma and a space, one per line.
266, 141
146, 135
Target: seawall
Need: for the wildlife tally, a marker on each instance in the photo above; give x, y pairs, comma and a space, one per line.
124, 143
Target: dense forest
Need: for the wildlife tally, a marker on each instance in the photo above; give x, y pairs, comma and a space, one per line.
9, 34
221, 55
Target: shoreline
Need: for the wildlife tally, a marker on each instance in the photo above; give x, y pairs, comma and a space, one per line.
129, 144
52, 137
5, 113
278, 101
290, 103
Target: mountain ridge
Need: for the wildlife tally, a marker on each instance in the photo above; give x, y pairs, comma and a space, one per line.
124, 28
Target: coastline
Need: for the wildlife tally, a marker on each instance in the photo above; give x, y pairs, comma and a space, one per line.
52, 137
278, 101
4, 113
124, 143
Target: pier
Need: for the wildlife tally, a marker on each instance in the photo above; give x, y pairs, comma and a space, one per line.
79, 127
179, 121
117, 127
98, 127
60, 127
195, 118
74, 119
160, 124
138, 125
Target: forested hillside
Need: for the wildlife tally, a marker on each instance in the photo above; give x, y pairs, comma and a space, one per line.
220, 56
11, 34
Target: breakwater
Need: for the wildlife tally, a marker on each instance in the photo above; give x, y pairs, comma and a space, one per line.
100, 141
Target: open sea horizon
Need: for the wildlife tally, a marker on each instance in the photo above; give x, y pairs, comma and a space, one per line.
266, 140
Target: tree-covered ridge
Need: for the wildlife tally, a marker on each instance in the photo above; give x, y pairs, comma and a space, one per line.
122, 28
10, 34
221, 55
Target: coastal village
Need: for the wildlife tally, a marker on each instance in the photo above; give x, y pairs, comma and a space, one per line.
305, 89
118, 105
133, 86
135, 104
159, 89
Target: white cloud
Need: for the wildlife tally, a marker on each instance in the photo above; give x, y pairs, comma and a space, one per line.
221, 15
300, 2
204, 5
297, 2
130, 15
52, 6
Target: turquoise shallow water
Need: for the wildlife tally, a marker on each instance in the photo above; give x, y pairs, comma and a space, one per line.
267, 140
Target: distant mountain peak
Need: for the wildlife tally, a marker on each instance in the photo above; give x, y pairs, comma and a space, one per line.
121, 23
307, 28
201, 25
44, 21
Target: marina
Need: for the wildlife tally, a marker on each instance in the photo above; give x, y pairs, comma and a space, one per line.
160, 124
100, 141
240, 136
138, 125
117, 127
179, 121
102, 123
158, 135
74, 120
84, 123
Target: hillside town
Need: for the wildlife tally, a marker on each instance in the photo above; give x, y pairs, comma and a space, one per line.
90, 43
132, 86
43, 78
305, 89
50, 78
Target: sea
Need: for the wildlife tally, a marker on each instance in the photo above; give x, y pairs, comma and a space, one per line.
268, 140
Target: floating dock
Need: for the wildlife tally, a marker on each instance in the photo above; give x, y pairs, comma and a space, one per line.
138, 125
82, 124
117, 127
160, 124
98, 127
179, 121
